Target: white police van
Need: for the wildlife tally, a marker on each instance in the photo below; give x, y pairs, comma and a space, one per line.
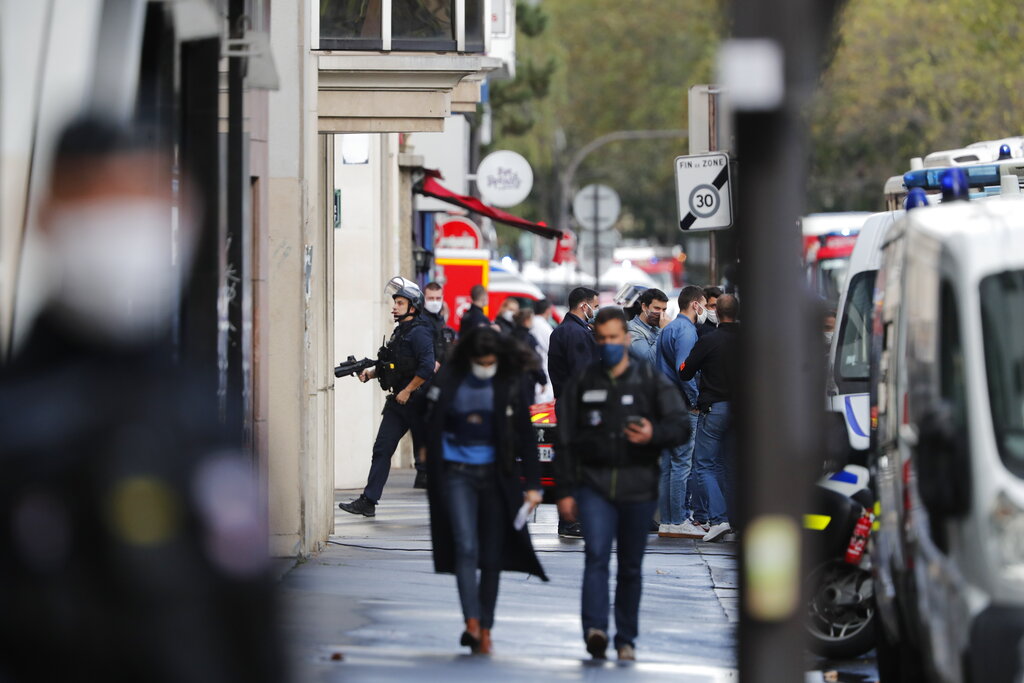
849, 353
948, 458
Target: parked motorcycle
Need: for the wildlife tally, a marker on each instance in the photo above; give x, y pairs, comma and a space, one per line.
840, 606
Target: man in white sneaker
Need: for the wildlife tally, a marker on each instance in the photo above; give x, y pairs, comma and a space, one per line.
715, 355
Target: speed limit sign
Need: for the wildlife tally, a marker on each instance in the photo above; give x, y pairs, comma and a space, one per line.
703, 192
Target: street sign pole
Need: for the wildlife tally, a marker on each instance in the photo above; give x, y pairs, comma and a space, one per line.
596, 207
713, 147
597, 246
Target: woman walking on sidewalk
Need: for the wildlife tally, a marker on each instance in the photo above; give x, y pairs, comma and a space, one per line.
478, 426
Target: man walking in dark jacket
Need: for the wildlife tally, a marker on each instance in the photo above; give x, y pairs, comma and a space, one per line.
715, 356
572, 346
614, 419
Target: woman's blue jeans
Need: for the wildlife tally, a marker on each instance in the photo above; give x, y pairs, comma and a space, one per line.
604, 521
478, 525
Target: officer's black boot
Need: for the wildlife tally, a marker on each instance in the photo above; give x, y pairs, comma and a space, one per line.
360, 506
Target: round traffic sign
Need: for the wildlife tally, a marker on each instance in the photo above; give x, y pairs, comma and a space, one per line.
704, 201
596, 206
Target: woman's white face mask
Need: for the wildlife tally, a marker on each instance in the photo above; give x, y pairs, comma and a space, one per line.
112, 262
484, 371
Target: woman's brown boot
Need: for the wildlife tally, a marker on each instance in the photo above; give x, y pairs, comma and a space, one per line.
471, 636
485, 642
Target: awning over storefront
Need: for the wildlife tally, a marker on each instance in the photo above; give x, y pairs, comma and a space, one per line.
430, 187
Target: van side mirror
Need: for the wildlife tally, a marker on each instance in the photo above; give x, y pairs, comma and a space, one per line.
943, 463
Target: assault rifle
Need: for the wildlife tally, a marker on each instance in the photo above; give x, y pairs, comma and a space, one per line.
354, 367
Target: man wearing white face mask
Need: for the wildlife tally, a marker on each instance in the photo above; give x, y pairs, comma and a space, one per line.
444, 336
505, 320
711, 294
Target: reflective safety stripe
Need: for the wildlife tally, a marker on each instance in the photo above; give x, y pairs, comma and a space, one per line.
538, 417
816, 522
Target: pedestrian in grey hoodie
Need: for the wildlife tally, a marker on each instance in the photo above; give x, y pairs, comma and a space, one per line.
646, 326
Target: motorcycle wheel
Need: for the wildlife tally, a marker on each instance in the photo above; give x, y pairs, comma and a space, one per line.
840, 610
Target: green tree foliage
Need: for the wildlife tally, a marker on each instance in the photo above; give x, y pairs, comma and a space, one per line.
611, 66
909, 78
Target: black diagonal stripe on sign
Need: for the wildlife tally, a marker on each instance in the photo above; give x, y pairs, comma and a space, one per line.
718, 182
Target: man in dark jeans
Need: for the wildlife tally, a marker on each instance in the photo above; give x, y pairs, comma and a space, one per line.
715, 356
613, 422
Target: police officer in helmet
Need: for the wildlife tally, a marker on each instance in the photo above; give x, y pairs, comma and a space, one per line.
407, 364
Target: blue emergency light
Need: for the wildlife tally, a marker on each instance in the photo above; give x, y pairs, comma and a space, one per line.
915, 198
974, 176
1004, 151
953, 183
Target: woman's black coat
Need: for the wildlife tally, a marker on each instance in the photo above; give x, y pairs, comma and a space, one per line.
514, 439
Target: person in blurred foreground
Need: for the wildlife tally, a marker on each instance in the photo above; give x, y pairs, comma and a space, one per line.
131, 543
613, 422
479, 426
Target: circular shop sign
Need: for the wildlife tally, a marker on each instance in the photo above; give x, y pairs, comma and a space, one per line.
704, 201
504, 178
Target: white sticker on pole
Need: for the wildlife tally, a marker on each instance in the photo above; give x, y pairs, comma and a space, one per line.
703, 191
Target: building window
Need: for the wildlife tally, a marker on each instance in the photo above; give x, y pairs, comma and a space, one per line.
403, 25
423, 25
475, 22
351, 24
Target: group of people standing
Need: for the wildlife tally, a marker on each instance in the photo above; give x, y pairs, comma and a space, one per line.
636, 435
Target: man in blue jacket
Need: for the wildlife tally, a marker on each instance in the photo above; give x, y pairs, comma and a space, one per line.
674, 345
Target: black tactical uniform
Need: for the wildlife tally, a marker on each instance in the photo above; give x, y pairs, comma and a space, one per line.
444, 336
592, 449
408, 354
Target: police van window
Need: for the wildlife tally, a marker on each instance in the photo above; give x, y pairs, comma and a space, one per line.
1002, 319
952, 376
855, 329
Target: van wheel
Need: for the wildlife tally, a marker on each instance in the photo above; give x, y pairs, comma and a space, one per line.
897, 662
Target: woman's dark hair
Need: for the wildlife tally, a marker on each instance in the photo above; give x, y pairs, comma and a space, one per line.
513, 357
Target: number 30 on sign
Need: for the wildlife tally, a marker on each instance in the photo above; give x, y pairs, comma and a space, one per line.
703, 191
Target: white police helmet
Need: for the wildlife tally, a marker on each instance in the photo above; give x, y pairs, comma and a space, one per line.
628, 294
399, 286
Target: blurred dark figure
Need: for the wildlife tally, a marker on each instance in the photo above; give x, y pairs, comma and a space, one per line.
474, 315
483, 467
131, 543
524, 320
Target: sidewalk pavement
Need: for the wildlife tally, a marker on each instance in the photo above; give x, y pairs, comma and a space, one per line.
370, 607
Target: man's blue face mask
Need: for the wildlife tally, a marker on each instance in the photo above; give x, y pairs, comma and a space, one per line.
611, 354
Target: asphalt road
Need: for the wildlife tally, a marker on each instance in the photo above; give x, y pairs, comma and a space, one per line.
370, 608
